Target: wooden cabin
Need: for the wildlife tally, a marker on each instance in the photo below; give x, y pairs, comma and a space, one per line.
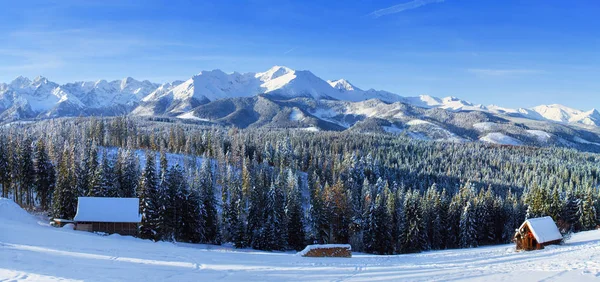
536, 233
108, 215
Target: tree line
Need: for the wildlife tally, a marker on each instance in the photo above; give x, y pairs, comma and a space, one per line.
283, 189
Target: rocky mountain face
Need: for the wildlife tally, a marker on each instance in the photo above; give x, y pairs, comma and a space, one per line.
286, 98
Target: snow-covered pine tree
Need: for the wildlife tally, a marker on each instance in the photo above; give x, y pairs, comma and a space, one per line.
275, 229
4, 166
211, 222
588, 216
176, 197
25, 176
293, 209
87, 169
468, 227
191, 221
127, 173
318, 221
413, 239
382, 231
97, 183
44, 175
64, 199
149, 197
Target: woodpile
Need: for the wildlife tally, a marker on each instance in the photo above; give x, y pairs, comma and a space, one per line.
327, 251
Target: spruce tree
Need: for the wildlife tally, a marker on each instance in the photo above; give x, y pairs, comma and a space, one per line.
468, 227
45, 175
149, 200
64, 200
210, 220
293, 210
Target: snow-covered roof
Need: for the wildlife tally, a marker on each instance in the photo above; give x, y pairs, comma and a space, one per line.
543, 228
95, 209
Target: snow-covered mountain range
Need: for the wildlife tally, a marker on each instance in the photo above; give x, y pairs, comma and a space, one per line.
40, 97
285, 97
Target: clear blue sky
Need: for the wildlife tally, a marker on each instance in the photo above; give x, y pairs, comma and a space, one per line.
513, 53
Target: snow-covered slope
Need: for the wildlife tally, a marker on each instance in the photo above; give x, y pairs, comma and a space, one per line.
501, 139
32, 251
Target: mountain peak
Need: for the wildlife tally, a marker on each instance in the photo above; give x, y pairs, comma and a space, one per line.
40, 80
20, 82
274, 72
342, 84
126, 81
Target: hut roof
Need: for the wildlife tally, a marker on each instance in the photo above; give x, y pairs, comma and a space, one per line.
543, 228
95, 209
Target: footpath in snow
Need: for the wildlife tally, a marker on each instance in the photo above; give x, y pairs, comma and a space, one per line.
31, 250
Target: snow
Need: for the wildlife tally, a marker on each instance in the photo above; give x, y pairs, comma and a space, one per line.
33, 252
311, 129
392, 129
325, 246
543, 228
583, 141
500, 138
542, 136
96, 209
173, 159
296, 115
190, 115
418, 122
342, 84
485, 126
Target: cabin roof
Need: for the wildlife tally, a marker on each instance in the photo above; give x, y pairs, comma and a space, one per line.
96, 209
543, 229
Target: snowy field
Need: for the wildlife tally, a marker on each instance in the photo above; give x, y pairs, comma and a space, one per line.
30, 250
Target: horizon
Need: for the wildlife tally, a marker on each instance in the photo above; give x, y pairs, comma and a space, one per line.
518, 55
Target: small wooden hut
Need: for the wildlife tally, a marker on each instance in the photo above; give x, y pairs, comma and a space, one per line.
108, 215
536, 233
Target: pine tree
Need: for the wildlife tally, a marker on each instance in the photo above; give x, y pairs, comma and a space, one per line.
88, 169
174, 204
127, 174
191, 221
44, 175
149, 197
211, 223
318, 220
97, 182
588, 214
25, 174
412, 235
4, 167
337, 210
468, 227
64, 199
275, 228
293, 209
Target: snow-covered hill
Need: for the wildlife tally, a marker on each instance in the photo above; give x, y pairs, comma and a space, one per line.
30, 250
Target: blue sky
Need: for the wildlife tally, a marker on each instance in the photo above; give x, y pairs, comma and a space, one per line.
512, 53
